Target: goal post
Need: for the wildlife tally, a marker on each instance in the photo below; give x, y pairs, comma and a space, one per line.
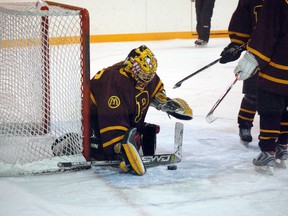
44, 86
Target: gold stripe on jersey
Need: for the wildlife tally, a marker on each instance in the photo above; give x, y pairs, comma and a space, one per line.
273, 79
93, 99
260, 55
245, 118
123, 72
122, 128
267, 138
158, 88
278, 66
248, 111
239, 34
270, 131
284, 123
237, 41
115, 140
99, 74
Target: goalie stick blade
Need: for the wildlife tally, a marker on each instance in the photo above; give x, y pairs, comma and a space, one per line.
149, 161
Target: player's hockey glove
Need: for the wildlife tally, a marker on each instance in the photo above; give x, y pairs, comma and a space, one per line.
247, 66
231, 53
176, 107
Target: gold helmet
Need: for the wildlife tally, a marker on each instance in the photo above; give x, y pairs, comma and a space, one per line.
142, 65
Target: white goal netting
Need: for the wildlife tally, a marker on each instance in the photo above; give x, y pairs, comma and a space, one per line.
43, 67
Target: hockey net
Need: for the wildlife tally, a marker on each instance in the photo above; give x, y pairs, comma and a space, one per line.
44, 86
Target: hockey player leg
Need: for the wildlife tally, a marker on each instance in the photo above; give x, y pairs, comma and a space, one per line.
129, 156
245, 118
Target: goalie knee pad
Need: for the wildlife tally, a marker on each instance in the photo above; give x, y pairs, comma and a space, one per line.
129, 156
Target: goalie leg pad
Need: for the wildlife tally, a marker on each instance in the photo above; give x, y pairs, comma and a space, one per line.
129, 154
134, 158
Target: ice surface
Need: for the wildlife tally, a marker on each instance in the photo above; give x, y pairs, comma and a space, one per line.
215, 177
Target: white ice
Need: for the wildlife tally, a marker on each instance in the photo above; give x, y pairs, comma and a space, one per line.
215, 177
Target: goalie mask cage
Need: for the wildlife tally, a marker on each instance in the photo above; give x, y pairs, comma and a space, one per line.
44, 86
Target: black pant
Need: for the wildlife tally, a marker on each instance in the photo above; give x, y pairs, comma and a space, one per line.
272, 109
204, 12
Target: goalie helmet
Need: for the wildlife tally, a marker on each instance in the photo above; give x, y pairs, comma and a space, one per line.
142, 65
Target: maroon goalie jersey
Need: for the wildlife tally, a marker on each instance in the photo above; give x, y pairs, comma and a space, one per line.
269, 44
243, 20
117, 104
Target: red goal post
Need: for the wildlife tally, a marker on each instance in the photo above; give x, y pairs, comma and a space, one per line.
44, 86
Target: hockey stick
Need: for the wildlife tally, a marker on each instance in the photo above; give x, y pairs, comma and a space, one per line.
178, 84
210, 117
149, 161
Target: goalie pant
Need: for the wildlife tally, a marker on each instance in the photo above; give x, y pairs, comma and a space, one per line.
149, 161
145, 138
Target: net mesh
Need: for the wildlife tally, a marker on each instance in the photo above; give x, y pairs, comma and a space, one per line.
41, 86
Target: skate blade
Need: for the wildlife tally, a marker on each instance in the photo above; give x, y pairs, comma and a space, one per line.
267, 170
246, 144
201, 46
280, 164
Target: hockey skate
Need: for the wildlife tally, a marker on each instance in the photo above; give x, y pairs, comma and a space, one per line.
200, 43
265, 163
281, 155
245, 136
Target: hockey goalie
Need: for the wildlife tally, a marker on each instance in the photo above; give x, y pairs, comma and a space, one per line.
120, 98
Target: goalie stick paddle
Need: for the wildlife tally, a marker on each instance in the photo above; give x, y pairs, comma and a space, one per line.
210, 117
149, 161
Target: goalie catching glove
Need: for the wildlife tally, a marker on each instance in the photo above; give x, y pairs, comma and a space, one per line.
176, 107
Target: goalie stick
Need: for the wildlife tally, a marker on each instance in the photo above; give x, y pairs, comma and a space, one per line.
149, 161
210, 117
